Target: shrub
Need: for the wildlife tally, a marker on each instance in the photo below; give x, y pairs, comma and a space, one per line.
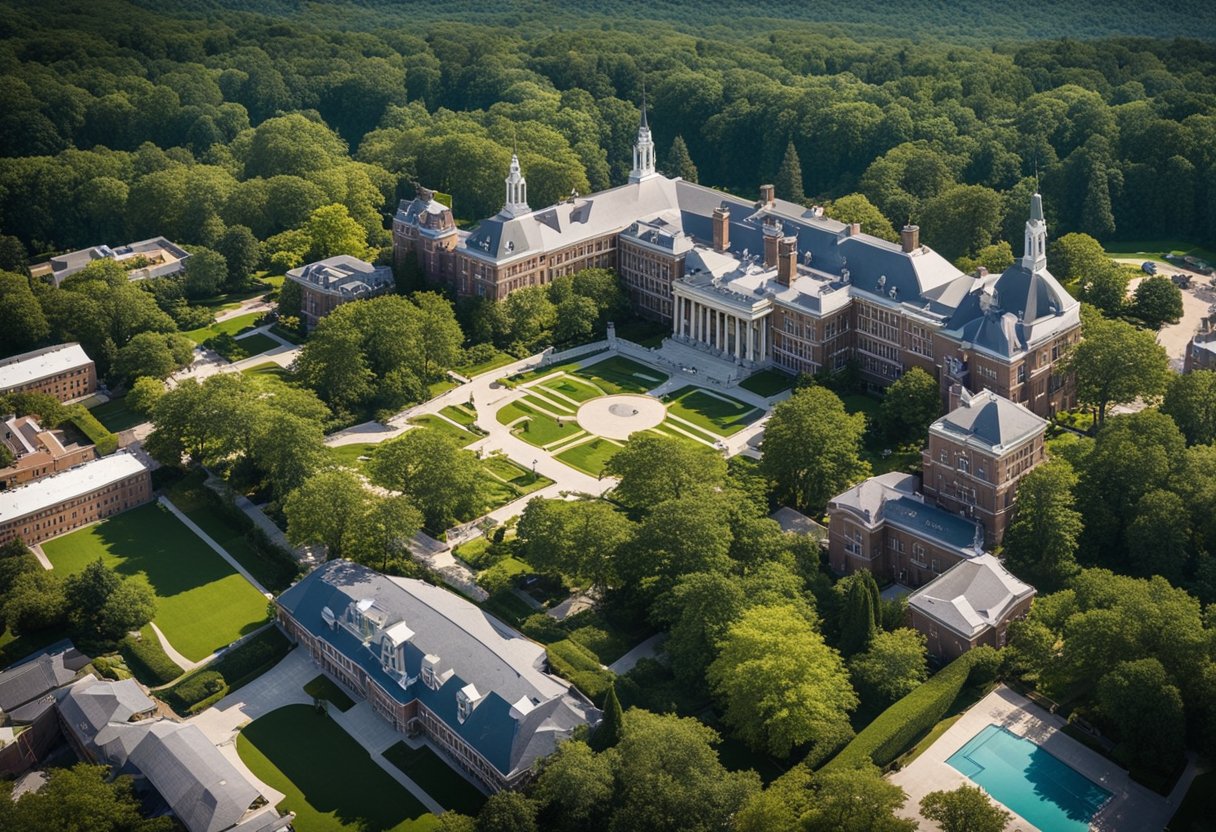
579, 665
147, 660
542, 628
242, 664
86, 423
111, 667
898, 726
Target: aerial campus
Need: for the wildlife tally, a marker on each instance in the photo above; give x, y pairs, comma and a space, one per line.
826, 442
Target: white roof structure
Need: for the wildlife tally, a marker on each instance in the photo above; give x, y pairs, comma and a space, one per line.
75, 482
39, 364
344, 276
971, 596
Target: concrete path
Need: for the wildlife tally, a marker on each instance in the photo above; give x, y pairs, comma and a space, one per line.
1196, 304
303, 554
41, 555
219, 550
375, 735
648, 649
178, 659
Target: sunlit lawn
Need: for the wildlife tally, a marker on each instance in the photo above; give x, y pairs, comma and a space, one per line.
590, 457
714, 412
232, 326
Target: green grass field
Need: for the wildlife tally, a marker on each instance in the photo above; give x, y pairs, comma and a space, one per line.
716, 413
539, 429
201, 603
116, 416
515, 474
429, 420
502, 359
327, 778
1157, 249
232, 326
325, 688
622, 375
571, 387
590, 457
348, 455
673, 428
437, 778
767, 383
438, 388
462, 413
268, 368
257, 343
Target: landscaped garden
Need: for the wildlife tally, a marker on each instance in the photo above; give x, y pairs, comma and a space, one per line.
232, 326
767, 383
202, 688
256, 343
714, 412
590, 457
202, 603
327, 778
437, 778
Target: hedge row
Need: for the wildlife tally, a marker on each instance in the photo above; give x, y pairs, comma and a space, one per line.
86, 423
577, 664
203, 688
147, 660
898, 726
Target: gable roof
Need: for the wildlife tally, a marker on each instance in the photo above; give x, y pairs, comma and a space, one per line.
39, 674
991, 421
90, 707
971, 596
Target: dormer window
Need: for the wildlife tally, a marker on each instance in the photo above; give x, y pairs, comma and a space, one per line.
466, 700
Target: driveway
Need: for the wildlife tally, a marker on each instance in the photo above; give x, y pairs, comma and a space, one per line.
1196, 301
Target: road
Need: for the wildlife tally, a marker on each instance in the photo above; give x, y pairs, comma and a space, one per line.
1196, 303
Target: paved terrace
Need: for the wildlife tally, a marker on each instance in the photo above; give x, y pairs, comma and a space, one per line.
1132, 806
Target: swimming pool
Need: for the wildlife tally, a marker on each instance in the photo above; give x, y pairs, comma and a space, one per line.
1030, 781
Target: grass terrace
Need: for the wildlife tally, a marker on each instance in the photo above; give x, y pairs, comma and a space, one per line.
327, 778
767, 383
430, 420
202, 604
1157, 249
622, 375
352, 456
437, 778
232, 326
257, 343
268, 368
714, 412
438, 388
461, 413
506, 482
537, 427
116, 416
569, 387
590, 457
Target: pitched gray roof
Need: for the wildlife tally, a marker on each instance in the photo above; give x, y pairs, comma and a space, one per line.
989, 420
792, 520
39, 674
91, 705
894, 498
971, 596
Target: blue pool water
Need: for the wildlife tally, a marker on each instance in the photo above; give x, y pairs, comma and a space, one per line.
1030, 781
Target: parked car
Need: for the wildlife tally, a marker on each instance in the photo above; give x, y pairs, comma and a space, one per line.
1148, 267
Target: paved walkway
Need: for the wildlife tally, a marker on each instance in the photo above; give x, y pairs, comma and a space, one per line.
303, 554
648, 649
219, 550
1131, 806
1196, 303
181, 661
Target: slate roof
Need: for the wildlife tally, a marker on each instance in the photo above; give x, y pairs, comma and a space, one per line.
39, 364
893, 498
343, 275
92, 707
989, 420
39, 674
971, 596
1009, 313
472, 648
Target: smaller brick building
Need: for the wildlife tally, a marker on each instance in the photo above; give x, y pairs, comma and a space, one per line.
327, 284
38, 453
1201, 349
64, 370
60, 503
969, 605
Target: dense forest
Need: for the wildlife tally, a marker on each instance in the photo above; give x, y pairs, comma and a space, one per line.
119, 122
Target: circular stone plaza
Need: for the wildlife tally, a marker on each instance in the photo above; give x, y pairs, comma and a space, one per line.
616, 417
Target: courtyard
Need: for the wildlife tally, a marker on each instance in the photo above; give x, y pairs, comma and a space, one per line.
202, 603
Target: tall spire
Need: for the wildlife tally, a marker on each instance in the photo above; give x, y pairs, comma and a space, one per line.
516, 202
1034, 251
643, 148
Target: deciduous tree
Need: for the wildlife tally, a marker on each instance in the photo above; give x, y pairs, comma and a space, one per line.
325, 508
1116, 363
1040, 544
966, 809
891, 667
910, 406
430, 468
1190, 400
652, 469
1157, 301
1140, 698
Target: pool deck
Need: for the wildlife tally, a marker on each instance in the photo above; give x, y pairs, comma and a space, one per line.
1132, 806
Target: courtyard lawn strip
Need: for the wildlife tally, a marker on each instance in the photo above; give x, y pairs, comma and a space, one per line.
570, 388
437, 778
438, 388
550, 405
268, 368
767, 383
349, 455
257, 343
232, 326
536, 428
687, 429
622, 375
328, 779
515, 474
711, 411
325, 688
116, 416
202, 604
590, 457
430, 420
460, 413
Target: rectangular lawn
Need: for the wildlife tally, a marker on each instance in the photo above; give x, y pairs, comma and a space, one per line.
430, 420
327, 778
232, 326
116, 416
437, 778
767, 383
713, 411
590, 457
202, 604
622, 375
571, 388
348, 455
257, 343
537, 428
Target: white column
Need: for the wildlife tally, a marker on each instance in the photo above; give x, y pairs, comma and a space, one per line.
763, 325
749, 342
722, 330
696, 321
738, 339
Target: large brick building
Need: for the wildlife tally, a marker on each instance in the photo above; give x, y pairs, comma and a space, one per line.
60, 503
327, 284
64, 370
37, 453
769, 282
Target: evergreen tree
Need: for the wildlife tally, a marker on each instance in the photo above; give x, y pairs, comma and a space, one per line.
1096, 217
608, 732
859, 617
679, 163
789, 176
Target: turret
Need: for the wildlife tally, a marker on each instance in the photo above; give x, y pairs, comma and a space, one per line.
643, 149
516, 202
1034, 251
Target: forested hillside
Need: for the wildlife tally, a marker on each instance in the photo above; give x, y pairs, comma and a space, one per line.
119, 122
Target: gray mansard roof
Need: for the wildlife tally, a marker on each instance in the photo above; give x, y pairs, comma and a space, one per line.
894, 498
343, 275
971, 596
990, 421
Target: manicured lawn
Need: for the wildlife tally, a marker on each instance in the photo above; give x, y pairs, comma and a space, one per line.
1198, 807
462, 413
348, 455
429, 420
232, 326
1157, 249
437, 778
571, 388
712, 411
515, 474
643, 333
539, 429
502, 359
257, 343
116, 416
547, 401
672, 428
590, 457
199, 503
268, 368
621, 375
327, 778
231, 300
201, 602
438, 388
323, 687
767, 383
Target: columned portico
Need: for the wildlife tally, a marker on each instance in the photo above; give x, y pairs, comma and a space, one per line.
737, 334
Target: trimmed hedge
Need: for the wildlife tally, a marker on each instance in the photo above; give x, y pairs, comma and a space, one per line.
898, 726
147, 660
203, 688
577, 664
86, 423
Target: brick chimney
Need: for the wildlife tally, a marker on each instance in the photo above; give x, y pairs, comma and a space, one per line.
854, 229
787, 260
721, 223
772, 233
768, 195
910, 236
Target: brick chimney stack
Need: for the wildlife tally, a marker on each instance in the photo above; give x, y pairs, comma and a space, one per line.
772, 233
910, 236
768, 195
854, 229
787, 260
721, 223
